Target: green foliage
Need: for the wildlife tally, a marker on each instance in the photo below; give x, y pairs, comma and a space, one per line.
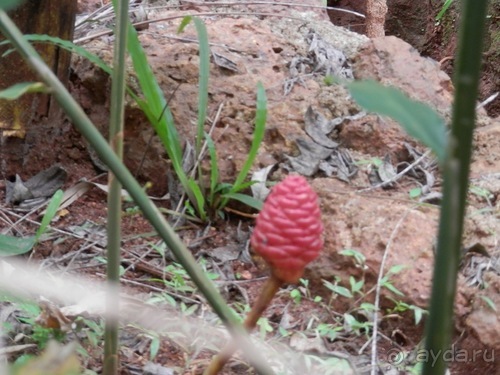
329, 80
177, 282
264, 327
207, 203
400, 307
203, 76
415, 193
481, 193
29, 312
358, 257
9, 4
338, 289
93, 330
66, 45
489, 302
103, 260
418, 119
443, 10
11, 245
355, 320
19, 89
260, 123
357, 325
303, 291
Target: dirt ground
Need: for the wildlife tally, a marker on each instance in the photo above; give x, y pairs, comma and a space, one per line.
388, 225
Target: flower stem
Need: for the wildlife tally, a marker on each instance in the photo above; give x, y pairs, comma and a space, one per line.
271, 287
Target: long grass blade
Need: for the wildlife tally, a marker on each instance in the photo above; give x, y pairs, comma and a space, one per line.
199, 198
203, 81
214, 169
50, 212
258, 135
246, 199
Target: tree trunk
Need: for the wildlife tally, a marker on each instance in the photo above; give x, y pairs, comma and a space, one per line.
19, 118
375, 18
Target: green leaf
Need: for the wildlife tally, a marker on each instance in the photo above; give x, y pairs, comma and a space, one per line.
356, 286
397, 268
242, 186
340, 290
246, 199
201, 30
367, 306
350, 320
155, 100
418, 119
9, 4
418, 312
154, 347
50, 212
214, 168
443, 10
489, 302
392, 288
10, 245
258, 134
184, 22
358, 257
67, 45
19, 89
415, 193
199, 199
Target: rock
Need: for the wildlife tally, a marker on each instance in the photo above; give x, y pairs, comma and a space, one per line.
394, 62
483, 321
374, 225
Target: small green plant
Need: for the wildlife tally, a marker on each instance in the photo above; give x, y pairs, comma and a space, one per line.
359, 327
303, 291
103, 260
338, 289
377, 162
11, 245
154, 346
207, 201
400, 307
358, 257
386, 282
94, 330
177, 282
481, 193
328, 330
39, 334
264, 327
415, 193
329, 80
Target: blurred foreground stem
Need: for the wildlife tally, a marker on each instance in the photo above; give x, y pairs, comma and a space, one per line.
111, 359
269, 290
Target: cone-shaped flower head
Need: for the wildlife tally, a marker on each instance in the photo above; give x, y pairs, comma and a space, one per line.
288, 232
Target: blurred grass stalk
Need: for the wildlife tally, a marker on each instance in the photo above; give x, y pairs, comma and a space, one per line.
104, 151
116, 135
456, 176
